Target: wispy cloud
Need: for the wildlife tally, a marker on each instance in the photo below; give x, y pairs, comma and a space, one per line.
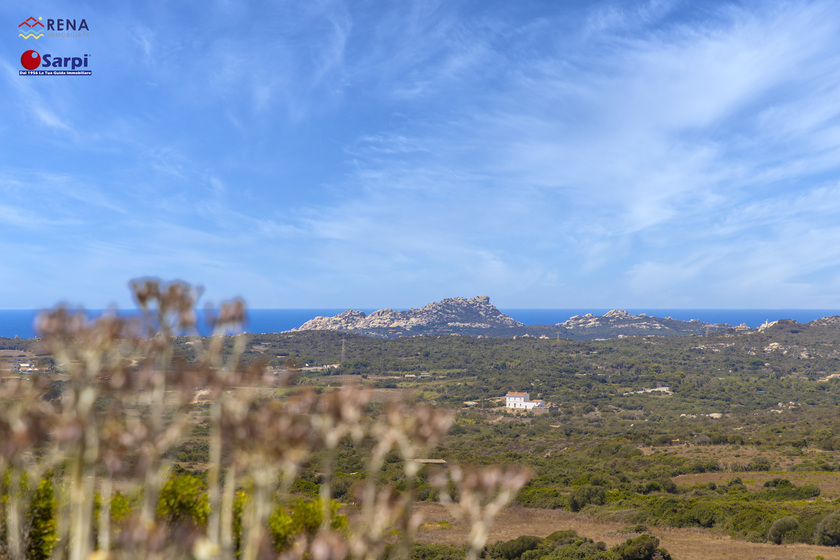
663, 152
636, 147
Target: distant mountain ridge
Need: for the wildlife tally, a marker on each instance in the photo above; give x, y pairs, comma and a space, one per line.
478, 317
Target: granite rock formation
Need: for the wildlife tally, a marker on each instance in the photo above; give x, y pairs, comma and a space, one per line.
448, 316
617, 323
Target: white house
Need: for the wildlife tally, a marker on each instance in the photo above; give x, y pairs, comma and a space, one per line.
516, 400
522, 401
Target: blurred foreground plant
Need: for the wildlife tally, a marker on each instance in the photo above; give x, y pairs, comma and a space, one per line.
127, 401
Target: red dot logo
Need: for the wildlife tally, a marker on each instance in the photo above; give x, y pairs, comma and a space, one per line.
30, 60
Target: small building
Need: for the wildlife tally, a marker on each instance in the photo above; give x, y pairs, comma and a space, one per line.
516, 400
522, 401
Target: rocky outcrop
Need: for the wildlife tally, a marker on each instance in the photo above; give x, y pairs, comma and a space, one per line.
451, 315
478, 317
616, 318
621, 323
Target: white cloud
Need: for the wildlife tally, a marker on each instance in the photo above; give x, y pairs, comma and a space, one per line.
662, 151
635, 148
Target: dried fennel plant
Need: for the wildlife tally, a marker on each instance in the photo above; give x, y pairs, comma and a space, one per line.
127, 402
481, 496
25, 422
126, 398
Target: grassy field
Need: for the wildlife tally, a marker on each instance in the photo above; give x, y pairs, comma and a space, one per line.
683, 544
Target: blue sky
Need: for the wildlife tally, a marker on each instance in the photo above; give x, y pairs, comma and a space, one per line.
671, 154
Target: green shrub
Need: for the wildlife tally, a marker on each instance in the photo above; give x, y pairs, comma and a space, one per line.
759, 464
514, 548
422, 551
583, 549
305, 516
182, 500
780, 528
340, 486
560, 538
42, 532
828, 530
703, 514
541, 497
648, 487
121, 506
567, 545
748, 521
305, 487
639, 528
585, 495
791, 492
668, 485
644, 547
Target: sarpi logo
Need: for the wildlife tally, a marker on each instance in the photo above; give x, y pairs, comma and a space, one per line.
34, 28
30, 60
35, 63
28, 28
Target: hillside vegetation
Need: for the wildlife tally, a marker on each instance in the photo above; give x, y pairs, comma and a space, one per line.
745, 439
741, 437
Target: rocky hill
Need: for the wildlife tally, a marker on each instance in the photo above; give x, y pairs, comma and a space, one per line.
478, 317
449, 316
618, 323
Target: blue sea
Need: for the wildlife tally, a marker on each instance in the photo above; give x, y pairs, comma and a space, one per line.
20, 322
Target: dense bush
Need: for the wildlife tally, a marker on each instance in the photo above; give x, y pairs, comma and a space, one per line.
759, 464
644, 547
42, 522
828, 530
420, 551
585, 495
513, 549
568, 545
183, 500
305, 517
549, 498
780, 528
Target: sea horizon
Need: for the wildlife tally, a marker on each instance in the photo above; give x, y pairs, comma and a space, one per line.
20, 322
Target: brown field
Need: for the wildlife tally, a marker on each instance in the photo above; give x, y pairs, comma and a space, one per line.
683, 544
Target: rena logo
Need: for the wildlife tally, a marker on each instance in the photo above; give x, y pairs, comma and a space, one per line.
31, 24
31, 60
60, 27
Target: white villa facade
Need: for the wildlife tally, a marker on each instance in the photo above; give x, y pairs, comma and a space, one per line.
521, 401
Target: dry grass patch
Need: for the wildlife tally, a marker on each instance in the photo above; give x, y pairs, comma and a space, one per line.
15, 353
